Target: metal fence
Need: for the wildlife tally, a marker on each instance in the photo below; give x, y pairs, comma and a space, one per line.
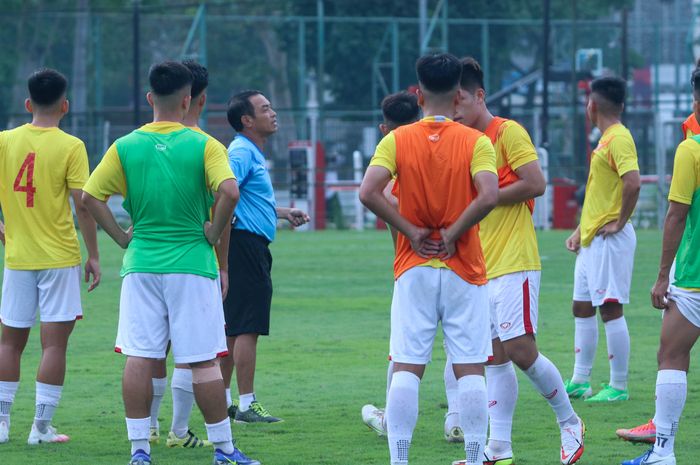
350, 63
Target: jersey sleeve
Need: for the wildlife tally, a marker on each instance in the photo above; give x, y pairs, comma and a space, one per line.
684, 182
216, 164
385, 154
624, 154
518, 146
484, 157
240, 161
78, 169
108, 177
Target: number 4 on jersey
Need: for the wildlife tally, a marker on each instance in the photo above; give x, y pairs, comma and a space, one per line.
28, 188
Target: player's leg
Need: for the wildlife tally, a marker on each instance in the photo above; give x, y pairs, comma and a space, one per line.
160, 384
502, 393
679, 332
196, 322
585, 329
17, 315
414, 320
452, 429
180, 434
227, 367
137, 391
614, 267
466, 327
59, 308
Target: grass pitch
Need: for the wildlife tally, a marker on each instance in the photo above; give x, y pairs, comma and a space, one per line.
326, 357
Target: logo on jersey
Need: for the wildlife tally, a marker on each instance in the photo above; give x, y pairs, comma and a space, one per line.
161, 147
505, 325
434, 137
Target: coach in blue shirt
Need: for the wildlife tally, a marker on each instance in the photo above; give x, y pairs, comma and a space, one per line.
247, 306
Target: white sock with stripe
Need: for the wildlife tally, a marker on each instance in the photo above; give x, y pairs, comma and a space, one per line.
585, 345
671, 392
401, 414
618, 338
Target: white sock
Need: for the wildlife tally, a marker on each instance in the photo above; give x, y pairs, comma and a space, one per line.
401, 414
618, 338
47, 398
8, 389
502, 394
219, 434
547, 381
138, 430
183, 400
473, 416
229, 399
244, 401
671, 391
451, 389
159, 387
585, 345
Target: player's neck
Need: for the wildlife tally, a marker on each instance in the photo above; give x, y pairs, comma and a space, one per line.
166, 116
483, 121
191, 121
255, 138
439, 109
604, 122
46, 121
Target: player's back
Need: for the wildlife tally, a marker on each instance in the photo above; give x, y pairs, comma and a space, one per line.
167, 197
38, 168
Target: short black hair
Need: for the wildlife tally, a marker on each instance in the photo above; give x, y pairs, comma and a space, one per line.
695, 81
611, 88
46, 86
240, 105
472, 75
439, 72
400, 108
200, 77
168, 77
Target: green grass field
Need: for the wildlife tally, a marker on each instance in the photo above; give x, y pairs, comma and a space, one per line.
326, 357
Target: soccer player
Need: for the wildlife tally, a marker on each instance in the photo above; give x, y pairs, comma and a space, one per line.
180, 434
513, 269
41, 167
605, 242
447, 183
171, 291
247, 307
400, 109
681, 300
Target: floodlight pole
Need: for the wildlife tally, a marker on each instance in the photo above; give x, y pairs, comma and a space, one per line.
545, 74
136, 67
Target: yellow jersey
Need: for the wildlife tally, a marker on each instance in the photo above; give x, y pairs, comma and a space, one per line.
508, 231
615, 156
38, 169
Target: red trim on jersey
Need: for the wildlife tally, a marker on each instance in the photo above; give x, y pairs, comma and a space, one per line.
118, 350
222, 354
526, 307
611, 301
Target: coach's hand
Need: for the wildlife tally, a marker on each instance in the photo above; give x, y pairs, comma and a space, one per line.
573, 242
609, 229
659, 292
92, 267
297, 217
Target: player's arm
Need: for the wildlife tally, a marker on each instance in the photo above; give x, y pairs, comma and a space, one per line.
372, 197
221, 180
395, 203
486, 184
88, 229
573, 242
674, 226
222, 253
295, 216
2, 232
530, 184
104, 217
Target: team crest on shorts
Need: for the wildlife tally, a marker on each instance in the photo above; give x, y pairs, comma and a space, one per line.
505, 325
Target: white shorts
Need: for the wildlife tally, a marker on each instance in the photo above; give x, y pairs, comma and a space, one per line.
603, 271
688, 303
54, 292
185, 309
424, 296
513, 306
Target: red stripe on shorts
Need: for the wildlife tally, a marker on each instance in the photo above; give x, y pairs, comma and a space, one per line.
79, 317
222, 354
611, 301
526, 307
118, 350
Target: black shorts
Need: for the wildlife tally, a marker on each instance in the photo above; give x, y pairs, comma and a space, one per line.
247, 306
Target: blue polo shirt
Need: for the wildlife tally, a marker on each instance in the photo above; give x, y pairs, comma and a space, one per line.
256, 210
